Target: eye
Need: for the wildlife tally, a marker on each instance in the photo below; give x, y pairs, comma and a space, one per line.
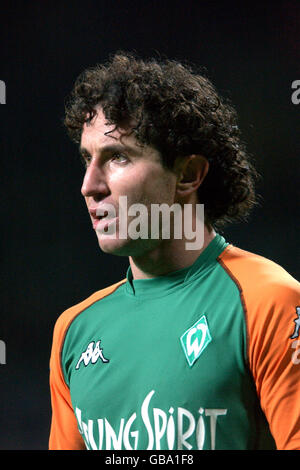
85, 159
119, 158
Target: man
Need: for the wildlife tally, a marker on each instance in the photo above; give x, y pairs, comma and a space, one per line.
197, 348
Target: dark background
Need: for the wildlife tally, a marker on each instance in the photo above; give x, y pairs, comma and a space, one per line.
49, 253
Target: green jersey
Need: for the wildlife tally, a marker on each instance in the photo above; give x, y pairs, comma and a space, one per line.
164, 363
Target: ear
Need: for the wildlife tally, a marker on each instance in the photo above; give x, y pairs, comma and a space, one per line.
191, 171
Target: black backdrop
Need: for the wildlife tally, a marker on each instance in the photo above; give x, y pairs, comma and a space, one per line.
50, 258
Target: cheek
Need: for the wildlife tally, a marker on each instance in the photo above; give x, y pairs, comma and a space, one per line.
158, 189
161, 182
127, 182
143, 184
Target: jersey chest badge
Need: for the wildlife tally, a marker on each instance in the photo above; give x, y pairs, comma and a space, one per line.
195, 340
91, 355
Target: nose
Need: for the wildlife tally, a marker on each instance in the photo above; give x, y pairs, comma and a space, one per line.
94, 182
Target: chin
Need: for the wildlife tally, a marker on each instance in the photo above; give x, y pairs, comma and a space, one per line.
113, 246
126, 247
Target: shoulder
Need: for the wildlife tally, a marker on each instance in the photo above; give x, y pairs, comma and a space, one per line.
270, 297
258, 277
67, 317
269, 294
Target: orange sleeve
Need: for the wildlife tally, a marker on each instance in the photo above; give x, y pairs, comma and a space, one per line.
270, 298
64, 433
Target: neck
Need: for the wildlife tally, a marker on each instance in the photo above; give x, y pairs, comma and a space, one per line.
167, 257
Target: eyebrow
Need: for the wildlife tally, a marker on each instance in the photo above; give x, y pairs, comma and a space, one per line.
112, 148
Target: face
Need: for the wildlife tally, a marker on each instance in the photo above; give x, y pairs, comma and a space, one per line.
116, 166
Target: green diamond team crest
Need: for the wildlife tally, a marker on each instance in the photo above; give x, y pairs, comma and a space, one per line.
195, 340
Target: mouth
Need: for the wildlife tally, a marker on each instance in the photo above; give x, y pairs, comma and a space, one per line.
101, 219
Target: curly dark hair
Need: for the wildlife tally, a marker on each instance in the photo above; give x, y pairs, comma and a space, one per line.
178, 112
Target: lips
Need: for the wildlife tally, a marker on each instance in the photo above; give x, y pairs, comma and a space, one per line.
100, 218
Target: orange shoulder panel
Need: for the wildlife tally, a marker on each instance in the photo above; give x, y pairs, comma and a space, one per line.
270, 297
64, 434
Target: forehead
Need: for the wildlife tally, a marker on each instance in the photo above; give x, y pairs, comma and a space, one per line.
98, 133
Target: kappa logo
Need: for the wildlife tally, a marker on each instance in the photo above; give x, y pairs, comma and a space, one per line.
297, 324
91, 355
195, 340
